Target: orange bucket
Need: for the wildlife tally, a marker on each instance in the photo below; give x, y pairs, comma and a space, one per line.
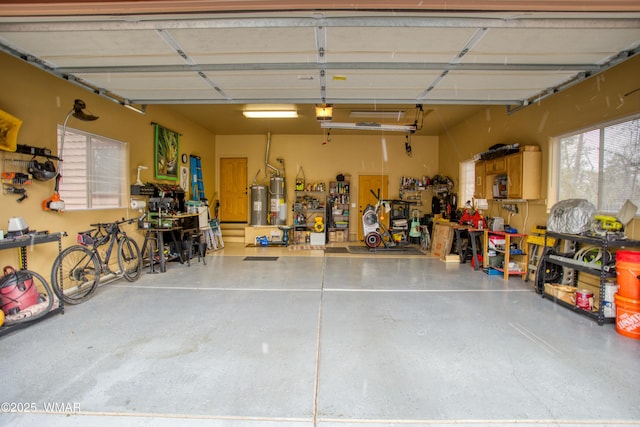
627, 272
627, 316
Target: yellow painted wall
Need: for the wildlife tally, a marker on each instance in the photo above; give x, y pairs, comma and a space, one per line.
347, 154
599, 99
42, 101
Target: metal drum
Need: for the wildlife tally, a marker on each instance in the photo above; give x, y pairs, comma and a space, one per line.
258, 205
278, 213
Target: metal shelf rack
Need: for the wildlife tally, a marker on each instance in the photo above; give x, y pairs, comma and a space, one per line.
605, 271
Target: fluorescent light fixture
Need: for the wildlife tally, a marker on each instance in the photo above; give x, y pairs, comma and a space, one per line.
324, 112
140, 110
368, 126
270, 114
376, 114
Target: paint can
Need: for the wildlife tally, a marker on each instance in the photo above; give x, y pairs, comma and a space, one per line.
584, 299
610, 289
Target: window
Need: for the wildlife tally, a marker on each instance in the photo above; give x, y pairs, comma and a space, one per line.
467, 175
93, 171
600, 164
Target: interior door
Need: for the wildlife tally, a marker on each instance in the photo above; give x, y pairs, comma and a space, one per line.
233, 190
366, 184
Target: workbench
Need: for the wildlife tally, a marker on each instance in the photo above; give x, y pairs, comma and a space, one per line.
473, 235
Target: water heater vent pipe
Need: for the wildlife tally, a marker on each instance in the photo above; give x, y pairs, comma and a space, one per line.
266, 158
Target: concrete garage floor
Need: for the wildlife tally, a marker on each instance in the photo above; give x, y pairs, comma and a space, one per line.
319, 340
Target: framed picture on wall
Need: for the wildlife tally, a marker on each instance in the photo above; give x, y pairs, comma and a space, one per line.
184, 178
167, 146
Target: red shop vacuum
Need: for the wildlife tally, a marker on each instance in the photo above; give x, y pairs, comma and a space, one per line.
17, 291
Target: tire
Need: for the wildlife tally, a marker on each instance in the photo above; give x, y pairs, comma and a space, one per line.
547, 273
373, 240
75, 274
129, 259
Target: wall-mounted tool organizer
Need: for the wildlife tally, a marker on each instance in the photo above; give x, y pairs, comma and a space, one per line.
18, 170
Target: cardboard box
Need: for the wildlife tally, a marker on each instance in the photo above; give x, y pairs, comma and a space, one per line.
562, 292
455, 258
442, 239
317, 239
497, 242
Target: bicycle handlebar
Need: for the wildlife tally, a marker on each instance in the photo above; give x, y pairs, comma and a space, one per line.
122, 221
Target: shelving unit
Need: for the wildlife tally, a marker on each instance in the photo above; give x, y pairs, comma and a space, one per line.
401, 218
308, 206
603, 270
22, 243
413, 195
339, 205
507, 252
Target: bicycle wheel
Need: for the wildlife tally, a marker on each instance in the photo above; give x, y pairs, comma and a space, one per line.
129, 259
75, 274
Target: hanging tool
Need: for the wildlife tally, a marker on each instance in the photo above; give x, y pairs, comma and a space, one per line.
54, 203
13, 182
16, 178
603, 224
15, 190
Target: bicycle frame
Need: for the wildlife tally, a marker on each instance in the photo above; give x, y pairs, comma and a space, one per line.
114, 236
112, 232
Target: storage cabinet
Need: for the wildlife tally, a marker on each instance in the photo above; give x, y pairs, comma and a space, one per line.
510, 248
310, 217
524, 175
523, 172
496, 166
602, 269
339, 205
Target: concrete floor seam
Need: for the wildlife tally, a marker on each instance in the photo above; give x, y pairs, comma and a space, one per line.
318, 338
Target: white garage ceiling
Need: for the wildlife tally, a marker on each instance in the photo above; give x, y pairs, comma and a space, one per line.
210, 65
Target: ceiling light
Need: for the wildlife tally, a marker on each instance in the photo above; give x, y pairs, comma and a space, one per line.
140, 110
368, 126
270, 114
324, 112
389, 114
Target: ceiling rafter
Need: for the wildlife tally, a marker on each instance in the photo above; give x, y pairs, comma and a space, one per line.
306, 66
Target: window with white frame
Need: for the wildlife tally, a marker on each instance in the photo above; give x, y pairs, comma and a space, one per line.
600, 164
93, 171
466, 187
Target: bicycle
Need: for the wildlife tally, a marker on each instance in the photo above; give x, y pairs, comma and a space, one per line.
77, 270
